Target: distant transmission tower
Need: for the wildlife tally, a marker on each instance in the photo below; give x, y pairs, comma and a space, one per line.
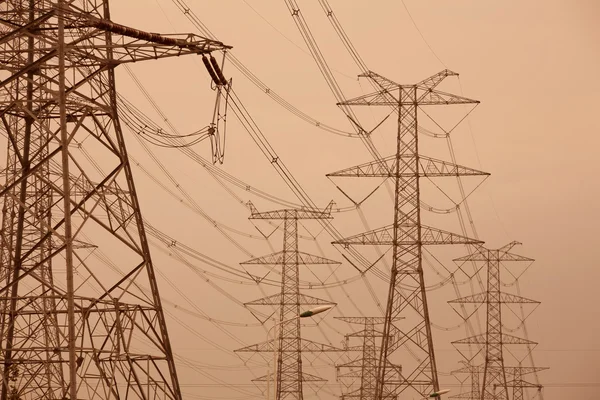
518, 384
473, 372
495, 383
72, 326
364, 368
289, 345
407, 235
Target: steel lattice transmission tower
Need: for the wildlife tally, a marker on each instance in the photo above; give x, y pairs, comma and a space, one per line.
406, 234
289, 344
495, 384
70, 327
364, 368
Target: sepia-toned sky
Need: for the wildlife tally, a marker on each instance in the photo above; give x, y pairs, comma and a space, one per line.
534, 67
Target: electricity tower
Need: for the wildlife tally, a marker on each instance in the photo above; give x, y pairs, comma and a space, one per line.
364, 368
495, 384
73, 326
289, 345
407, 234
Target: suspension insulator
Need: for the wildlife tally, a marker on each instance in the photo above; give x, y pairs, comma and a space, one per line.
215, 65
210, 70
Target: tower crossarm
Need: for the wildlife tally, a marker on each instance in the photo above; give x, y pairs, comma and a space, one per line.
523, 370
133, 45
279, 257
482, 254
434, 80
314, 347
276, 299
89, 47
386, 168
365, 334
381, 81
421, 94
293, 213
190, 42
263, 347
504, 298
427, 83
509, 370
305, 346
433, 168
311, 378
305, 378
505, 339
379, 98
407, 235
522, 383
362, 320
431, 97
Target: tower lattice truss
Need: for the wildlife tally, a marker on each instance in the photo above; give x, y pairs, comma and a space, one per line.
73, 322
493, 379
407, 235
288, 343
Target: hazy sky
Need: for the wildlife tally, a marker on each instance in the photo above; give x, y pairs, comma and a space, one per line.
533, 65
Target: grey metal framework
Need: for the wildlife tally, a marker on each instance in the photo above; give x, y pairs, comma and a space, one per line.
73, 324
495, 383
289, 344
407, 234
